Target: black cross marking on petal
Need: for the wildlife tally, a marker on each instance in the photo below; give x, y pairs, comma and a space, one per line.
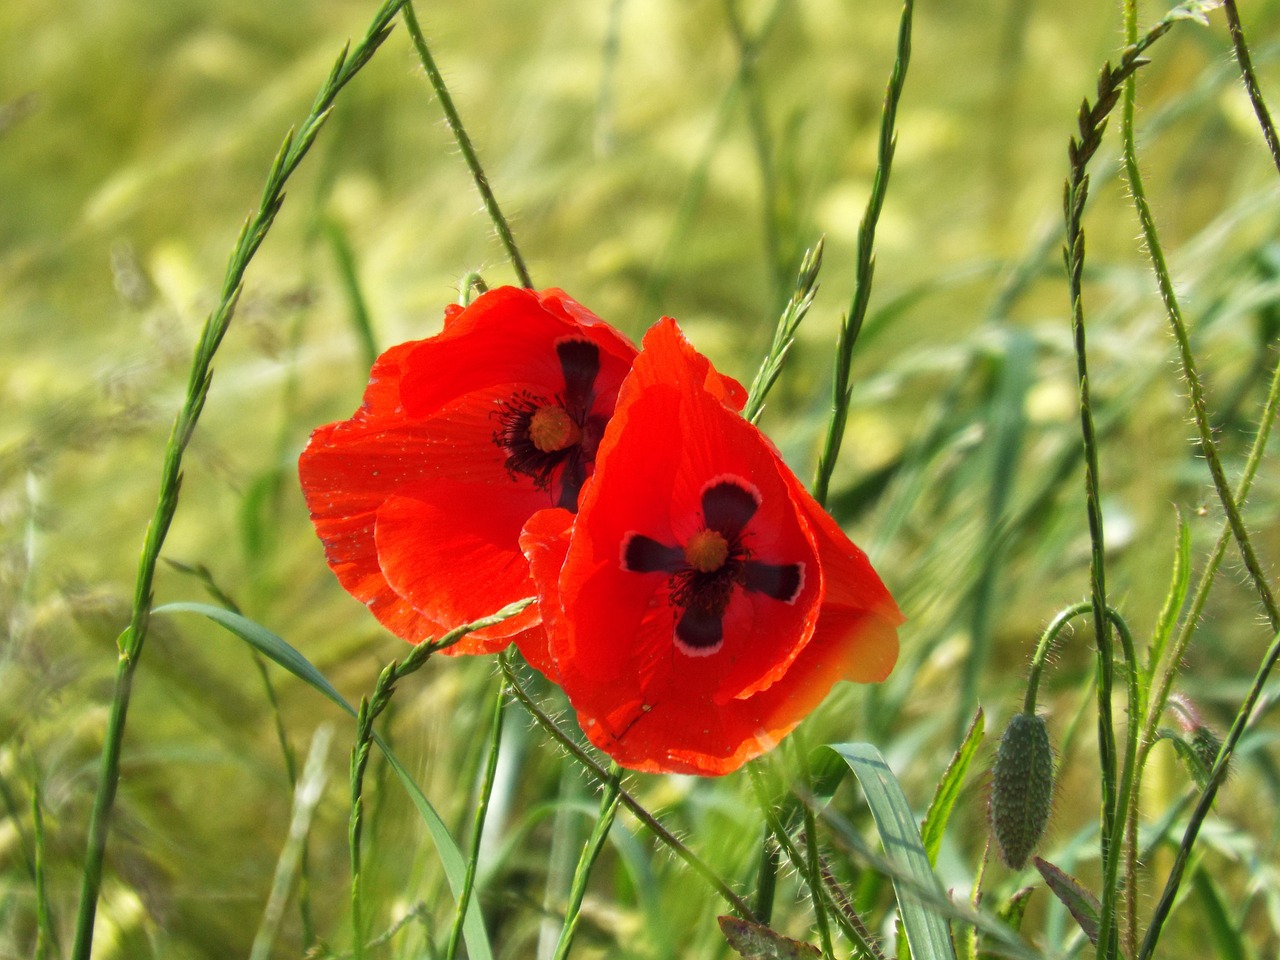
779, 581
580, 363
641, 554
727, 506
700, 632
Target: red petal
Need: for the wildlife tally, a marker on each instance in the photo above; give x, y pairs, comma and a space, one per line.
637, 694
347, 470
508, 336
453, 552
545, 541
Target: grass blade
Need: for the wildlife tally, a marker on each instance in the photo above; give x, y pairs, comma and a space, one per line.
926, 929
275, 648
944, 798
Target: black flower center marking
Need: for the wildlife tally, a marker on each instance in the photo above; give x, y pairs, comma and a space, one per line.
705, 570
552, 440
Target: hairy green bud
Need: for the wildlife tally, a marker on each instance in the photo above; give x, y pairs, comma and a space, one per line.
1021, 788
1205, 744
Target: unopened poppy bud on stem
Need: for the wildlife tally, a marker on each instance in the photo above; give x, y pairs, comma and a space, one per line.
1021, 788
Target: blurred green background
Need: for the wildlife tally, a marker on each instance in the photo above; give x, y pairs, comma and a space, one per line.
650, 165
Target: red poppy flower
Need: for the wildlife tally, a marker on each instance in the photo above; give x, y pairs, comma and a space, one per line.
701, 603
419, 498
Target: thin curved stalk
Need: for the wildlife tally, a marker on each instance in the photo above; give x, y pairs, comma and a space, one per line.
370, 709
1092, 121
482, 812
1199, 406
460, 135
1251, 80
131, 641
590, 854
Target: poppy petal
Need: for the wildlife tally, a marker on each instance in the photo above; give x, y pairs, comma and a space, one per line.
641, 554
455, 555
545, 541
507, 336
347, 470
416, 498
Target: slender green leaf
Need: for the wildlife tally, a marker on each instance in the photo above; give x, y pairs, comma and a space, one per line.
917, 888
944, 798
1223, 930
1082, 904
282, 653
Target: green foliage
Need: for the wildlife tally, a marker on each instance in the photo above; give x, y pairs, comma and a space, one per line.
652, 159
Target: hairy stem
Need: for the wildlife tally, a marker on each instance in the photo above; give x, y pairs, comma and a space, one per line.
463, 140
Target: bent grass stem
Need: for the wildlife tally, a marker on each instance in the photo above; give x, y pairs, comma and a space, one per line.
463, 140
130, 644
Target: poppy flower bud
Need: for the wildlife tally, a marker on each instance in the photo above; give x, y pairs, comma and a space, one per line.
1205, 744
1021, 787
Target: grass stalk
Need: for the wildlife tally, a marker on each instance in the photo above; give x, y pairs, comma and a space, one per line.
130, 644
761, 140
46, 939
589, 764
590, 854
1199, 406
482, 812
842, 388
306, 798
463, 140
206, 578
370, 709
1245, 60
1091, 123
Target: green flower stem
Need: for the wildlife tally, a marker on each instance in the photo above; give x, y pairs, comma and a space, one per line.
590, 854
1091, 121
1201, 811
370, 709
1172, 662
819, 891
1110, 889
464, 144
842, 388
767, 877
588, 763
812, 861
1199, 407
1251, 80
291, 153
482, 811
